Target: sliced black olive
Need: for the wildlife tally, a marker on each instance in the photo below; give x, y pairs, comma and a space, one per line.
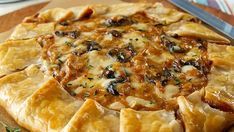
177, 64
60, 33
131, 49
92, 45
166, 42
118, 21
164, 82
115, 33
166, 73
200, 65
164, 76
177, 49
122, 55
108, 72
194, 63
171, 46
111, 88
113, 52
201, 44
110, 22
73, 34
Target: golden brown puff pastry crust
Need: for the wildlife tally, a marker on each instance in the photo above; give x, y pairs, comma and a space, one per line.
92, 117
35, 100
31, 30
195, 30
17, 87
222, 56
17, 54
49, 108
149, 121
200, 117
56, 14
166, 15
220, 88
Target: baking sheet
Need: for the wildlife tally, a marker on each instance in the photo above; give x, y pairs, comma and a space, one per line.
4, 116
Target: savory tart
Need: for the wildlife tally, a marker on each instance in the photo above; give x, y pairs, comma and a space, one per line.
125, 67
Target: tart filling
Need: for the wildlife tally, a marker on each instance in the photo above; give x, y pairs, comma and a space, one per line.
125, 62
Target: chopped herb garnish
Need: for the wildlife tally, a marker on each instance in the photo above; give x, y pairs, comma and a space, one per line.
10, 129
68, 43
152, 102
90, 66
85, 95
69, 84
177, 81
60, 61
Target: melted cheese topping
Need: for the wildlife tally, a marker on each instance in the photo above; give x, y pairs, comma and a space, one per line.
125, 62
